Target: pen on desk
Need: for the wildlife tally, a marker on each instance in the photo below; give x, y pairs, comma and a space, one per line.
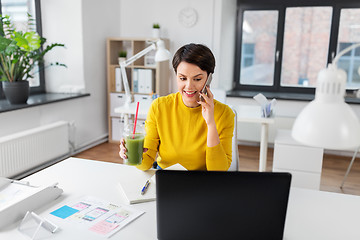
21, 182
146, 186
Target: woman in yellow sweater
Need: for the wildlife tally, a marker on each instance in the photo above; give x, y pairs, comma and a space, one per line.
181, 128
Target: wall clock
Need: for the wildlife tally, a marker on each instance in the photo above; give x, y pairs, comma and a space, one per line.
188, 17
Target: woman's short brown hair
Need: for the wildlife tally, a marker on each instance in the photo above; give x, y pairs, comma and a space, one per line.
197, 54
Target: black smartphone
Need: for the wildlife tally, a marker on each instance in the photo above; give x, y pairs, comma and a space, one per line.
204, 91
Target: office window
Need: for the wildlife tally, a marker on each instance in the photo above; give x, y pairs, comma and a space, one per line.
292, 41
306, 45
18, 11
258, 47
349, 33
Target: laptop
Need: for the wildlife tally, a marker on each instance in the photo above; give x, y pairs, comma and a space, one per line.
221, 205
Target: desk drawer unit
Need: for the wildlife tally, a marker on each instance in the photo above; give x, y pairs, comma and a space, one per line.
303, 162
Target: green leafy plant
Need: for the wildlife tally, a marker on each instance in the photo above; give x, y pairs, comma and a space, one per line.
123, 54
21, 51
156, 25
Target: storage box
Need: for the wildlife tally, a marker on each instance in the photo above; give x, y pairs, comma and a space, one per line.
116, 100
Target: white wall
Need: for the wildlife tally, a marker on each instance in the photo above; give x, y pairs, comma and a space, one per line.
63, 24
83, 26
224, 42
212, 15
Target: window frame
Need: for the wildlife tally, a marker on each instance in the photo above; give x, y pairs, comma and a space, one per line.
41, 88
280, 6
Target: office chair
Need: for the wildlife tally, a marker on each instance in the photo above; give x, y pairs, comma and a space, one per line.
220, 95
235, 153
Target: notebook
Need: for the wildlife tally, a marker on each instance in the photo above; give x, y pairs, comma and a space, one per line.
131, 186
221, 205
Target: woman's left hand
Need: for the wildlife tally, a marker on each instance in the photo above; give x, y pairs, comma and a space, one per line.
208, 107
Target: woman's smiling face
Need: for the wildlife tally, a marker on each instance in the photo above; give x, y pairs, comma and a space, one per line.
190, 80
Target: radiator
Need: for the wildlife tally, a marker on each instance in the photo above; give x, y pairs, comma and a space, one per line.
25, 151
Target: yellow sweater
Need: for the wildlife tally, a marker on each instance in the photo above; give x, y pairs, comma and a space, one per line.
178, 134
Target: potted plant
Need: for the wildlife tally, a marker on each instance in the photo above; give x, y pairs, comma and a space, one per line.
122, 56
156, 30
20, 52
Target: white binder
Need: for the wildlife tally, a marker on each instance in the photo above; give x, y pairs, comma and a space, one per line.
17, 197
118, 80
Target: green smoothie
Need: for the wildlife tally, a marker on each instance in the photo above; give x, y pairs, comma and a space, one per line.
134, 148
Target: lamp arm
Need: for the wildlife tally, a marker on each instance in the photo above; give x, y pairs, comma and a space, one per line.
340, 54
129, 61
139, 55
126, 85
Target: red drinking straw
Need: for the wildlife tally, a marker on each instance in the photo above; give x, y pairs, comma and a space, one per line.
137, 110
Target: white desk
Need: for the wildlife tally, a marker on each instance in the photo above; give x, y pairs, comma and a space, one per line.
314, 214
79, 177
252, 114
311, 215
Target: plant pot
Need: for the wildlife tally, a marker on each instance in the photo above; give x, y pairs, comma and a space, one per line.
121, 59
16, 92
156, 32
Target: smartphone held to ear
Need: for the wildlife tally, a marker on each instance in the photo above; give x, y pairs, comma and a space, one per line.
204, 91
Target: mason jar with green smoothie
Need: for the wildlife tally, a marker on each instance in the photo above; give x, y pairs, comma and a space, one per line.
134, 143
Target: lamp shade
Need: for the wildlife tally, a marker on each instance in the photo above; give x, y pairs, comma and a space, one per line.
162, 54
327, 121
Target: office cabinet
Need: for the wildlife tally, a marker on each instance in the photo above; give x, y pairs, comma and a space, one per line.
117, 128
142, 98
303, 162
116, 100
144, 79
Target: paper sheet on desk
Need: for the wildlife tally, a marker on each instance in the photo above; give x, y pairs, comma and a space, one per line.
266, 106
177, 166
95, 215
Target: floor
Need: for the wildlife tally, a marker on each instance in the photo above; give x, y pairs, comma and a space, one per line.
334, 167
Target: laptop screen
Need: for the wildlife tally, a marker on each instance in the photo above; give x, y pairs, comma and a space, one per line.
221, 205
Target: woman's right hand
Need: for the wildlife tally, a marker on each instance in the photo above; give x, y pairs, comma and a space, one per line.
123, 149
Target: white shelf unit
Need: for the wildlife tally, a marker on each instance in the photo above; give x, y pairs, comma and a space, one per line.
159, 84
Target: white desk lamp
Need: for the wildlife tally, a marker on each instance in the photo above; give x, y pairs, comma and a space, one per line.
327, 121
162, 54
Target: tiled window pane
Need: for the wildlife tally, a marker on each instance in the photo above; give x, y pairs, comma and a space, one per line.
306, 44
258, 47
